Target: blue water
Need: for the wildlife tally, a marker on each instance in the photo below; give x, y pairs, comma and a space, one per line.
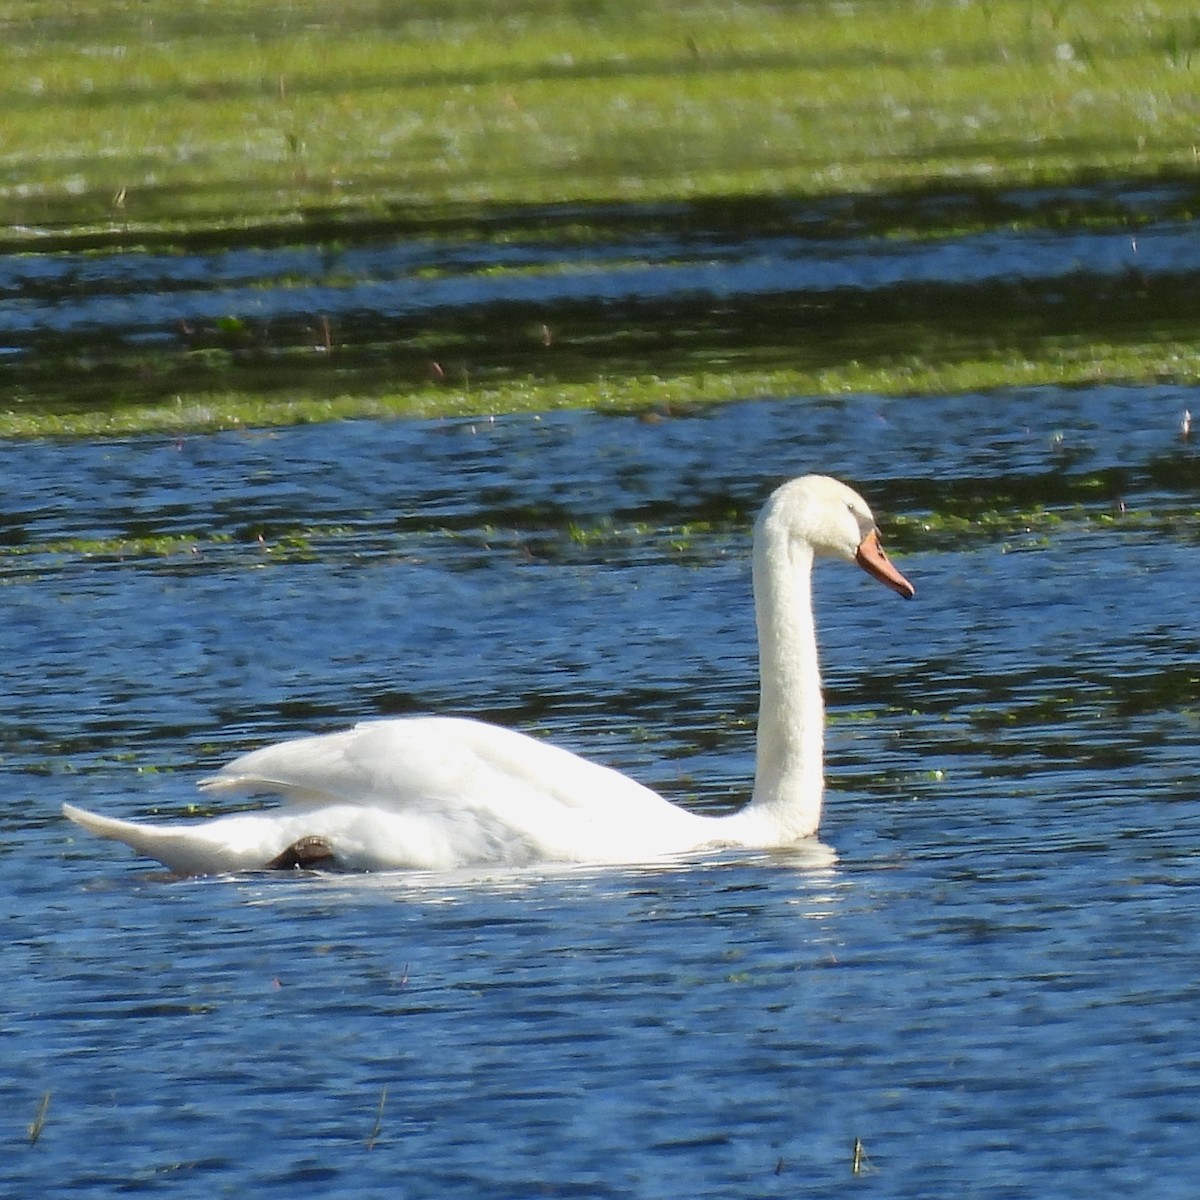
988, 975
143, 296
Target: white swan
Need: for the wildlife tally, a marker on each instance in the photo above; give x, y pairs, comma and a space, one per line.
440, 792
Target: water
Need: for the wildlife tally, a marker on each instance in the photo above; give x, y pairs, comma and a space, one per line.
987, 977
580, 293
79, 294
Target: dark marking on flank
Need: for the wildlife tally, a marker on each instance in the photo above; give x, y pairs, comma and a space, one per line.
309, 853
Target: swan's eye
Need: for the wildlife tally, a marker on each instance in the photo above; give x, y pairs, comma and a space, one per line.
862, 519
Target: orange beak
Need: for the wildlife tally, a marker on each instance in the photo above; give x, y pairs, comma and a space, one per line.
872, 559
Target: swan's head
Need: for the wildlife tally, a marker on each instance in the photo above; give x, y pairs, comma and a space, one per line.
834, 521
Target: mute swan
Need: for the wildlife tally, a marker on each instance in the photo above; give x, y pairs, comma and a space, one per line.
440, 792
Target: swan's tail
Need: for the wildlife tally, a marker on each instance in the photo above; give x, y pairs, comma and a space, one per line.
180, 848
140, 837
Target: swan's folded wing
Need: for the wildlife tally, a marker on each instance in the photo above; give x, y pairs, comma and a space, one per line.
460, 781
308, 771
425, 762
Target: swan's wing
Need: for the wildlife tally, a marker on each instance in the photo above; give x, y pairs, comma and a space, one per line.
429, 792
459, 783
419, 762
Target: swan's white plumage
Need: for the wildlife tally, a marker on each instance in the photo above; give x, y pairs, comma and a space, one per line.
444, 792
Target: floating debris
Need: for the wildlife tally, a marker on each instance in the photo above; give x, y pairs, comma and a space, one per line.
859, 1161
373, 1137
39, 1121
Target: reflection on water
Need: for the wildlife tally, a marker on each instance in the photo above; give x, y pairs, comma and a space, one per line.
813, 859
989, 976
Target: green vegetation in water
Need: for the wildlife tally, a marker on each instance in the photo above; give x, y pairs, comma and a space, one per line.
476, 123
123, 118
570, 540
959, 523
1014, 526
290, 546
660, 396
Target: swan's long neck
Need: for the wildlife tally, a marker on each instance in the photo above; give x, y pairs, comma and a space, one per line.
788, 780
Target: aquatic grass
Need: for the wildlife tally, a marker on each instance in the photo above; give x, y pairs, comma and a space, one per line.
130, 119
479, 123
959, 523
291, 545
679, 542
38, 1124
1015, 527
377, 1127
929, 373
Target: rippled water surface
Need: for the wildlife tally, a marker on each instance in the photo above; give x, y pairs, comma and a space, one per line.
988, 977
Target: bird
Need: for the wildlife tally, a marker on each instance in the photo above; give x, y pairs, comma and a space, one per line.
440, 793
